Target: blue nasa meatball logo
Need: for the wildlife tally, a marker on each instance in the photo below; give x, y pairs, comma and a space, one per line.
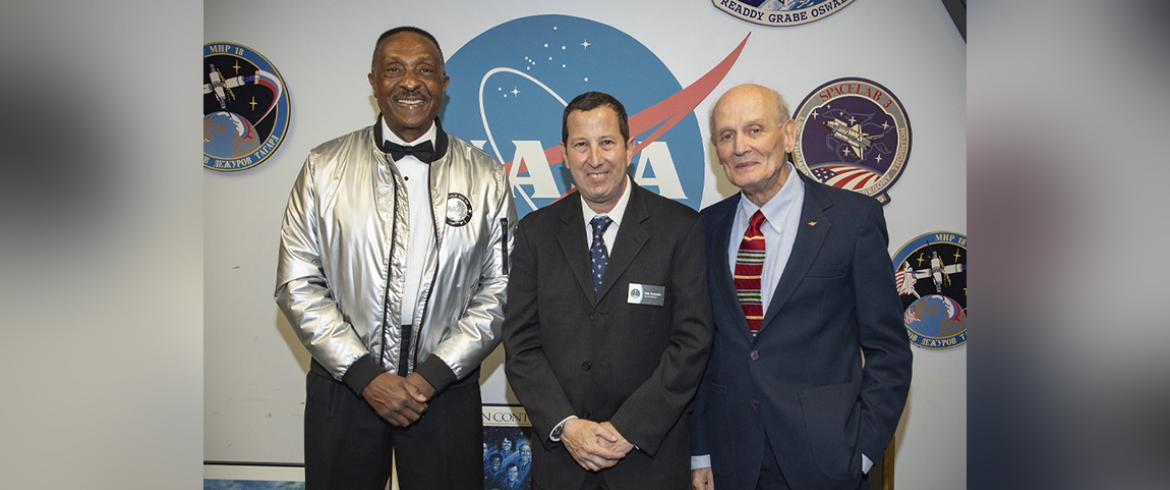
245, 107
510, 84
931, 275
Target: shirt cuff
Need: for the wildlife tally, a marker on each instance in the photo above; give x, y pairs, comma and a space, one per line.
866, 464
561, 424
701, 461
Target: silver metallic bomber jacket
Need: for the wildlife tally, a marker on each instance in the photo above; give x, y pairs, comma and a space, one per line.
342, 260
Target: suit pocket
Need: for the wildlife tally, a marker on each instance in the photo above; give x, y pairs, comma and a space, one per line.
832, 416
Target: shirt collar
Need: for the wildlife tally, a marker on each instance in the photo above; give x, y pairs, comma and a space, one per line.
388, 135
775, 209
614, 214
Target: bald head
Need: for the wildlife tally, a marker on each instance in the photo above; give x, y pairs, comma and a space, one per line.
754, 95
753, 134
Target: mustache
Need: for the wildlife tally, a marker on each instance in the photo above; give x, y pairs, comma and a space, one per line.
411, 93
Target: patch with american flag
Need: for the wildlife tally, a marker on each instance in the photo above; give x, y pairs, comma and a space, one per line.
930, 275
846, 176
852, 134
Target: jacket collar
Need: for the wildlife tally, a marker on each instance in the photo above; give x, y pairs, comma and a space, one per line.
440, 139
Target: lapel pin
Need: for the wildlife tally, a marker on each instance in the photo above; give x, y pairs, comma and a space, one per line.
812, 223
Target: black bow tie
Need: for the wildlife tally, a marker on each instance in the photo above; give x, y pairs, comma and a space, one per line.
424, 152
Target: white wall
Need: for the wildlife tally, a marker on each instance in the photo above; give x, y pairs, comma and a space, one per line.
254, 366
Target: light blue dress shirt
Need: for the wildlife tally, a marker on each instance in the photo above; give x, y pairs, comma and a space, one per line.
782, 220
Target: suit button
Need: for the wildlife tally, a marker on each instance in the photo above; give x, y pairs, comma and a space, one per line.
755, 355
585, 366
755, 404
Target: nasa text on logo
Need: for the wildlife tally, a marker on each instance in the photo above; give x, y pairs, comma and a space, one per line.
781, 12
853, 134
510, 84
245, 107
931, 275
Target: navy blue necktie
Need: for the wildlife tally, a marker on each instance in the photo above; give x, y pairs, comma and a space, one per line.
597, 252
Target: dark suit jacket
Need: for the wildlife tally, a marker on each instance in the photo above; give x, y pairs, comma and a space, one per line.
637, 366
801, 380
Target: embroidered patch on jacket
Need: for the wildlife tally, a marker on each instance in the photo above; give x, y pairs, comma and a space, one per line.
458, 209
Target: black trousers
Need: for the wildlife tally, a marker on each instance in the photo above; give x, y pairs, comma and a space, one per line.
592, 481
348, 446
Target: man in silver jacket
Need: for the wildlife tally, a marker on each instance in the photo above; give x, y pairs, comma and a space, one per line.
392, 271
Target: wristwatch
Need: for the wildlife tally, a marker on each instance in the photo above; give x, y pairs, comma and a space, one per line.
555, 435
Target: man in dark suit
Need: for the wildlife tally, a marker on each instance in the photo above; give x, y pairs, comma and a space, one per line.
801, 287
607, 325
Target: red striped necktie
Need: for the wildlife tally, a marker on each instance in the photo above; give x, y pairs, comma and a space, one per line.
749, 268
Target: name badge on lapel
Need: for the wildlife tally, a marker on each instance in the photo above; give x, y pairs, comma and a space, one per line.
646, 294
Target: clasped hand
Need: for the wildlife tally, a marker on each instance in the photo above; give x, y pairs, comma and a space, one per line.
399, 400
595, 446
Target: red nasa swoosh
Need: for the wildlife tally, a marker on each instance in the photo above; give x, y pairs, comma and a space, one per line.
666, 113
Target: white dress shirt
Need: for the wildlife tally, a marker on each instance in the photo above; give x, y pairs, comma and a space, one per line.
416, 175
615, 214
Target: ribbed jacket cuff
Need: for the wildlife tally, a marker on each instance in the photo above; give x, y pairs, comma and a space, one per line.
436, 372
360, 373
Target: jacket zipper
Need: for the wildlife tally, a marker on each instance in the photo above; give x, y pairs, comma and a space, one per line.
435, 275
504, 244
389, 260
